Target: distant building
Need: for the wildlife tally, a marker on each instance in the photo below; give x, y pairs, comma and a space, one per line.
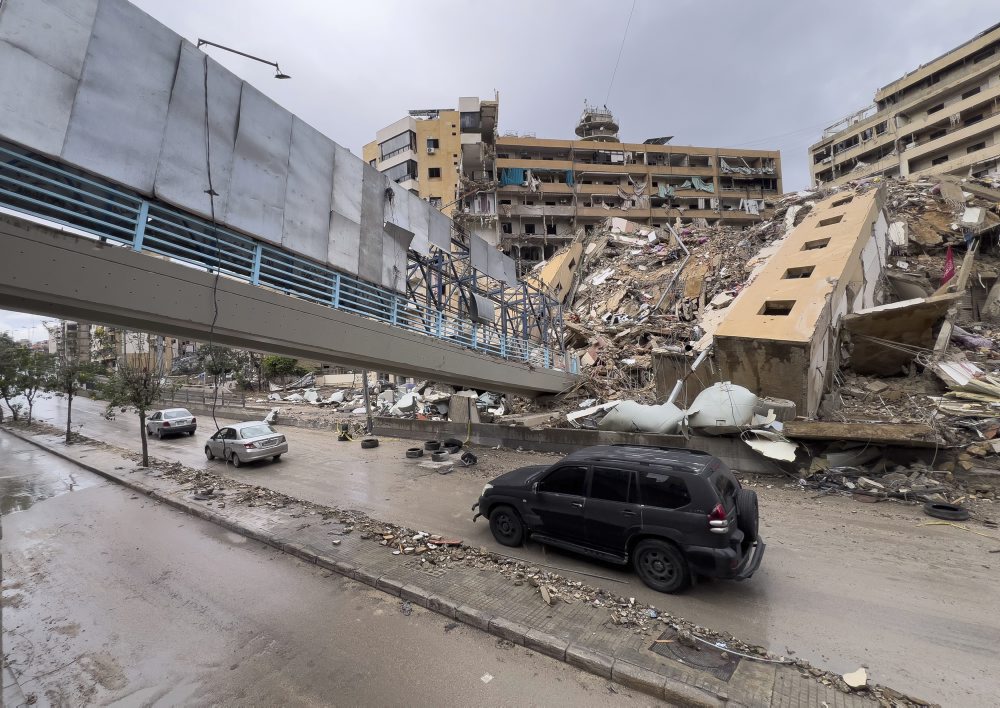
941, 118
548, 189
444, 155
530, 195
69, 340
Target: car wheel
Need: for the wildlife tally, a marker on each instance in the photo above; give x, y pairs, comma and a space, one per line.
950, 512
507, 527
277, 458
235, 459
208, 453
661, 566
191, 433
159, 434
747, 515
149, 433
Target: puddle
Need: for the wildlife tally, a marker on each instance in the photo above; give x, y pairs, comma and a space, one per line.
29, 475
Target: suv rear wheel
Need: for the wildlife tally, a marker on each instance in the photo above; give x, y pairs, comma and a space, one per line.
661, 566
747, 516
507, 527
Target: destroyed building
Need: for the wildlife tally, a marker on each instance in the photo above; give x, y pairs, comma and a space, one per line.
940, 118
530, 195
548, 189
780, 335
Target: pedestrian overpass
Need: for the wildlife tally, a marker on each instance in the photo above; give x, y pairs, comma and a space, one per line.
145, 186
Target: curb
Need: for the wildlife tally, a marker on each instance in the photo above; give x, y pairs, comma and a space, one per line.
594, 662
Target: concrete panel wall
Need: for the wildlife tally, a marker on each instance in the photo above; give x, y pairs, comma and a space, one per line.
766, 367
120, 109
104, 87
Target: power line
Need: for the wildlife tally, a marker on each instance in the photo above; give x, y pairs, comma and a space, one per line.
620, 50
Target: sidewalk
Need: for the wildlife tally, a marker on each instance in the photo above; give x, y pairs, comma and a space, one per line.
575, 632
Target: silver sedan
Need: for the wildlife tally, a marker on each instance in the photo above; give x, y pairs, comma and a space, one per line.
246, 442
171, 421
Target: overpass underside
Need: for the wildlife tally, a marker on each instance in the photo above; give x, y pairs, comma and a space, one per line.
51, 272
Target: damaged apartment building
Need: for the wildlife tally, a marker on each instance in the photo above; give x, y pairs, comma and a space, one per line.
941, 118
549, 189
530, 195
445, 156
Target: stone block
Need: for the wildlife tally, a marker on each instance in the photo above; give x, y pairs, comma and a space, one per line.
473, 617
415, 594
590, 660
505, 629
638, 678
393, 587
546, 644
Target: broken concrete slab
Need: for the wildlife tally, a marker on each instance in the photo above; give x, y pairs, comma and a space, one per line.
906, 434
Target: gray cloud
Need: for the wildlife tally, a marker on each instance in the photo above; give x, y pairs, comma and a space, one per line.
763, 74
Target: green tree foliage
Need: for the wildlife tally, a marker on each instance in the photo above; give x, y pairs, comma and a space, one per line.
136, 384
66, 378
276, 367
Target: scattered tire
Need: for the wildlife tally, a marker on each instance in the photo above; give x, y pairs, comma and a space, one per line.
451, 449
432, 445
369, 443
468, 459
948, 512
440, 456
342, 438
235, 459
747, 514
507, 527
453, 442
208, 453
660, 565
414, 452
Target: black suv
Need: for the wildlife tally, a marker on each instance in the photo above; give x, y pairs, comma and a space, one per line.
672, 511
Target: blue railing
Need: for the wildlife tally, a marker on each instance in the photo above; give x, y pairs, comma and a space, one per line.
36, 186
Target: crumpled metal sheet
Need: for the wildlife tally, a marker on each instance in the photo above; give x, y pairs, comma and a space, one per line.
308, 193
120, 110
632, 417
479, 252
42, 48
260, 167
439, 231
373, 186
723, 407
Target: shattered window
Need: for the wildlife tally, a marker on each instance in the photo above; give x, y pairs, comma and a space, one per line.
565, 480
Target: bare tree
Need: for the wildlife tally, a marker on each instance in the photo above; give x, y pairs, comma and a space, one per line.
34, 369
67, 377
137, 382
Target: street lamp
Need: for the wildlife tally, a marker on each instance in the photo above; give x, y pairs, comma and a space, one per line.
278, 73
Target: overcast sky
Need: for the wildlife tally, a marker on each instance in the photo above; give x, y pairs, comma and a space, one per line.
762, 74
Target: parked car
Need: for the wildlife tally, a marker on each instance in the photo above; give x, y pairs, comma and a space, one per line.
670, 512
246, 442
171, 421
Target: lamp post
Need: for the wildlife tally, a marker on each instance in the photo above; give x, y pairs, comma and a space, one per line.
278, 73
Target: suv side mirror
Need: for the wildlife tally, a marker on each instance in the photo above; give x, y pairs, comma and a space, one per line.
534, 488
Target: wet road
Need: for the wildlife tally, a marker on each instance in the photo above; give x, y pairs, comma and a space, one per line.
842, 584
111, 599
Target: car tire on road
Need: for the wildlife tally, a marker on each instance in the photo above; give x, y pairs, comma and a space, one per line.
191, 433
453, 442
235, 459
369, 443
949, 512
414, 452
159, 434
432, 445
506, 525
208, 453
661, 565
747, 514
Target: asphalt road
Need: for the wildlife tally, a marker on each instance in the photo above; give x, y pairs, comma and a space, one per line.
112, 599
842, 584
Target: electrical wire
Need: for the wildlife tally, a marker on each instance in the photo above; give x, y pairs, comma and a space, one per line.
218, 249
620, 50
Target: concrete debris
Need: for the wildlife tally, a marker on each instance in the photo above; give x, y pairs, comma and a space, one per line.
856, 679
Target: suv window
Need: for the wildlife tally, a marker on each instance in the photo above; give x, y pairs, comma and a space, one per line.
565, 480
663, 490
612, 485
726, 489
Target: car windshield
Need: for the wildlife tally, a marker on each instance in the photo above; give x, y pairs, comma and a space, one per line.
180, 413
255, 431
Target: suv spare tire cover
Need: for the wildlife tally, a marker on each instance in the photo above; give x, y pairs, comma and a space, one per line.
747, 516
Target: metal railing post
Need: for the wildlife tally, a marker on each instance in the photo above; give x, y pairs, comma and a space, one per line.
395, 310
336, 291
475, 336
548, 358
439, 329
140, 226
255, 274
503, 345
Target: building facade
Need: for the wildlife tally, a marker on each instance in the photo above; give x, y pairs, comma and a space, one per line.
941, 118
70, 341
549, 189
529, 196
444, 156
